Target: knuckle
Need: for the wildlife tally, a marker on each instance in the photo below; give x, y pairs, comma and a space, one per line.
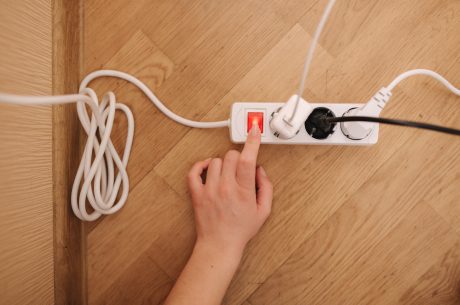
245, 161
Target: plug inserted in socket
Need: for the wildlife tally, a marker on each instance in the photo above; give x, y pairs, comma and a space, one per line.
239, 122
317, 126
362, 130
356, 130
284, 123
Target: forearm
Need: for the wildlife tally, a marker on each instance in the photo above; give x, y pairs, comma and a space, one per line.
206, 276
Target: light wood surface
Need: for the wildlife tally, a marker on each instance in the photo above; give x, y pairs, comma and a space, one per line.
26, 201
375, 225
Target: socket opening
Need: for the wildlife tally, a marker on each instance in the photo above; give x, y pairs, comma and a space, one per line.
316, 124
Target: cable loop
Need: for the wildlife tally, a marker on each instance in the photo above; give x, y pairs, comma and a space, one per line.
95, 181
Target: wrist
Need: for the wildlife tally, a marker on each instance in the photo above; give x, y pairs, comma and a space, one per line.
229, 253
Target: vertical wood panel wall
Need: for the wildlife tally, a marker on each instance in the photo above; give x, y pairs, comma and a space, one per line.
26, 193
41, 242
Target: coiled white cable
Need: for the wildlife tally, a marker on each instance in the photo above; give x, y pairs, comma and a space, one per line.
95, 182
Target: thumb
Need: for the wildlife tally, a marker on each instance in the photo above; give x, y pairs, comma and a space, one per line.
265, 192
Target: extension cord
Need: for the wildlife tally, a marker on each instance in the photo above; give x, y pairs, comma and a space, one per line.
244, 115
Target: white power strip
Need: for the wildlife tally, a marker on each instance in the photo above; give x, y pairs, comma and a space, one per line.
244, 114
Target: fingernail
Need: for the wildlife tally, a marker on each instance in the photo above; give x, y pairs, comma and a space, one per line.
208, 159
262, 171
255, 130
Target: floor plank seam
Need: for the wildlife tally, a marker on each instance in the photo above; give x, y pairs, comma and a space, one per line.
445, 220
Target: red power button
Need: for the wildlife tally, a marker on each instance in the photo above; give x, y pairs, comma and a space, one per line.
256, 118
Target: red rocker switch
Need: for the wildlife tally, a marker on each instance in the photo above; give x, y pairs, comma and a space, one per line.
256, 118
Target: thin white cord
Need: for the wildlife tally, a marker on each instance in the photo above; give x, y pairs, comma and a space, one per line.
426, 72
96, 172
311, 52
112, 73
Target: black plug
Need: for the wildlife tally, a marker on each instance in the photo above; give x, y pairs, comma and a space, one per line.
317, 124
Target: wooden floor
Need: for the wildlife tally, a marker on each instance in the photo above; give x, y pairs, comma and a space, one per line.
376, 225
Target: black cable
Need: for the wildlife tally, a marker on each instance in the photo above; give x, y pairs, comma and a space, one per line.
404, 123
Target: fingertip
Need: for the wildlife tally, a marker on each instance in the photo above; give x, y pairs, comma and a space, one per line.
195, 175
252, 141
254, 134
255, 130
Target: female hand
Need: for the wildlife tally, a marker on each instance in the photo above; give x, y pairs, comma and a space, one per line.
234, 202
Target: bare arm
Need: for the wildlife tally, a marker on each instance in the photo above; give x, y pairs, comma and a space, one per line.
228, 213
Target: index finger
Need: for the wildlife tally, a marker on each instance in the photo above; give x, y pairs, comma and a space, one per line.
246, 171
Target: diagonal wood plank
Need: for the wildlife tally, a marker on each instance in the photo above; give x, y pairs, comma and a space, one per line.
439, 285
171, 251
222, 58
445, 201
345, 22
109, 26
143, 282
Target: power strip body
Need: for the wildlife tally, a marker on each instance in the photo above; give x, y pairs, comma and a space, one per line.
239, 123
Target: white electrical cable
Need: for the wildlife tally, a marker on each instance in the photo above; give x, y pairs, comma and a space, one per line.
152, 97
425, 72
96, 172
311, 52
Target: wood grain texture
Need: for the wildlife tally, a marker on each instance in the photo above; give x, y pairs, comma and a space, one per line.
375, 225
26, 204
69, 238
439, 285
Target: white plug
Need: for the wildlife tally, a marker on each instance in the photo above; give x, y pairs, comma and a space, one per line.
361, 130
284, 124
